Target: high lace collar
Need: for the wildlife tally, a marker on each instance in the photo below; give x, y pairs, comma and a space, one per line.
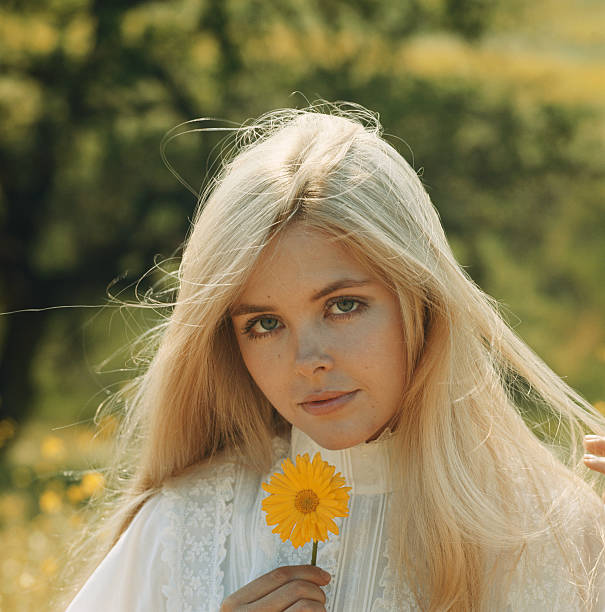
365, 467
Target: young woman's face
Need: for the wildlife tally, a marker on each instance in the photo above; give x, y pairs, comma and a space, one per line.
322, 338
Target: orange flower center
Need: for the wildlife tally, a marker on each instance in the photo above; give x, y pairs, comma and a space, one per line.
306, 501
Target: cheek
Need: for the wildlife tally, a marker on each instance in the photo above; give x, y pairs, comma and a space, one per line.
252, 360
382, 331
264, 367
382, 351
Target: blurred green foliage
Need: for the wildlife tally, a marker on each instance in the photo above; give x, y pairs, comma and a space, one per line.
497, 104
487, 98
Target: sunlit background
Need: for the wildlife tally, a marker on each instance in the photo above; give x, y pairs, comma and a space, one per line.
499, 106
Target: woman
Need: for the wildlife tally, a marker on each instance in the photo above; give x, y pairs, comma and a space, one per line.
320, 308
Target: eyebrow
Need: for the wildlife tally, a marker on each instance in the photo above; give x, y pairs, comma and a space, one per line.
345, 283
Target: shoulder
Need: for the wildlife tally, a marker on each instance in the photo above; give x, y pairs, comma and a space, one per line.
216, 478
201, 480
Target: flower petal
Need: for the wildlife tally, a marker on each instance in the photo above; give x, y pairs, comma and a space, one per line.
300, 524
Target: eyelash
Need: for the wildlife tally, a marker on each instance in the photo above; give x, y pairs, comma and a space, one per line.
360, 307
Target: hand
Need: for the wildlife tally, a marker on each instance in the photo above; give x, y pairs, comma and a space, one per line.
291, 587
595, 447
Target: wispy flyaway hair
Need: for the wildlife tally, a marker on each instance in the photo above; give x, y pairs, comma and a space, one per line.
479, 484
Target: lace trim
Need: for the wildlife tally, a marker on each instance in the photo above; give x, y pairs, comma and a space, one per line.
199, 511
395, 596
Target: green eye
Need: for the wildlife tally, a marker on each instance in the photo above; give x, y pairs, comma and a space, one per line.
261, 327
345, 305
268, 323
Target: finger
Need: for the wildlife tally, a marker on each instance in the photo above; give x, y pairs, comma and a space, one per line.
595, 445
595, 463
276, 578
293, 595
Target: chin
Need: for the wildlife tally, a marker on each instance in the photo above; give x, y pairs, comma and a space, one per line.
336, 443
335, 446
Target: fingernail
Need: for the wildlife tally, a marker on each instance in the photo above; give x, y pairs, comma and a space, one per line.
591, 458
326, 575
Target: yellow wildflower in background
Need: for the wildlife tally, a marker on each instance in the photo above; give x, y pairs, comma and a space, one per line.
305, 499
75, 494
50, 502
92, 483
53, 448
49, 566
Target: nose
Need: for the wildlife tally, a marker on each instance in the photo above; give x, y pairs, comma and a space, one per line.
311, 355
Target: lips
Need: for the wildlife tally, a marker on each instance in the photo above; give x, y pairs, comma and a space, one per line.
324, 396
327, 402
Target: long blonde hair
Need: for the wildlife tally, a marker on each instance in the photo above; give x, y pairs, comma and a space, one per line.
471, 466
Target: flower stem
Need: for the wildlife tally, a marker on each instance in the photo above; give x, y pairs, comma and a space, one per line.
314, 555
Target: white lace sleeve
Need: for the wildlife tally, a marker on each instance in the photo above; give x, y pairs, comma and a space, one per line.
128, 578
198, 511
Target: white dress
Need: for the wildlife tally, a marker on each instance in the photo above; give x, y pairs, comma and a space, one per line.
205, 536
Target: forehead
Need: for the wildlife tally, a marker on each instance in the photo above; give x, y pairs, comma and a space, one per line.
301, 259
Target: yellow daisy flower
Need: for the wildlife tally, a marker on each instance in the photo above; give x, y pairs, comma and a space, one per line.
305, 499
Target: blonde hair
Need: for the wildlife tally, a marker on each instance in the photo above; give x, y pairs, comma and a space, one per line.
471, 467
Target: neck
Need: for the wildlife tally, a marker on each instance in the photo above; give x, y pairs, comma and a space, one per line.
365, 467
